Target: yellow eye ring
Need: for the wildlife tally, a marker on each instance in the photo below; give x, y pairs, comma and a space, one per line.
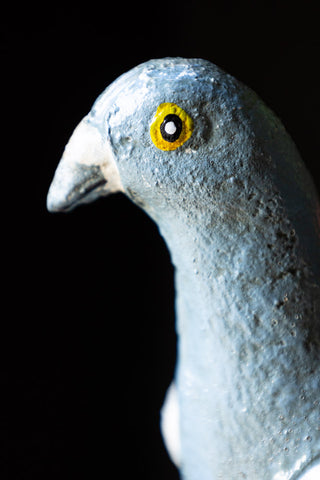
171, 127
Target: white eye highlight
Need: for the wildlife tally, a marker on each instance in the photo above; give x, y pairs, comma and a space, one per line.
170, 128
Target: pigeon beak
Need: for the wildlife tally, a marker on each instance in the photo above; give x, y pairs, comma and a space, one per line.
86, 171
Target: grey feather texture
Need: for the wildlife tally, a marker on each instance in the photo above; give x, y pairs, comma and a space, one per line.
240, 215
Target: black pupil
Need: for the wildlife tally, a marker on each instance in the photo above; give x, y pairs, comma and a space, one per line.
171, 137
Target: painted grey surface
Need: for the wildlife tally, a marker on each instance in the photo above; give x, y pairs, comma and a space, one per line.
240, 216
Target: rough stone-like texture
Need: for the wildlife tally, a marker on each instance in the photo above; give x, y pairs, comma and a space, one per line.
239, 213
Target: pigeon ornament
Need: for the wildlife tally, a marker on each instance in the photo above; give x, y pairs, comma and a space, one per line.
216, 170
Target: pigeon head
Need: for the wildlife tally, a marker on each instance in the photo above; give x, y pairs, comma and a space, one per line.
185, 140
169, 133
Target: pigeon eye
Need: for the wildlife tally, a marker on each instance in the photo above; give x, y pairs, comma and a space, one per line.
171, 127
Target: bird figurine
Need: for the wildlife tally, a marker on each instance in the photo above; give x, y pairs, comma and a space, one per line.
216, 170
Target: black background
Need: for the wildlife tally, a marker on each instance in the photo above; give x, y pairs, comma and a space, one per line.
91, 292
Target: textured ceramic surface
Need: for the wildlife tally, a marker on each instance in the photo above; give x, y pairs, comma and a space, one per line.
240, 216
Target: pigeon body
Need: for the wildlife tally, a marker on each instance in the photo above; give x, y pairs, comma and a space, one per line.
204, 157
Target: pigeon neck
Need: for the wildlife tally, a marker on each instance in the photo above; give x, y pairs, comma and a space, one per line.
240, 277
248, 340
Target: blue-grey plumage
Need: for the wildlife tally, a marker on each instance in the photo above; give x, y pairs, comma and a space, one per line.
240, 216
